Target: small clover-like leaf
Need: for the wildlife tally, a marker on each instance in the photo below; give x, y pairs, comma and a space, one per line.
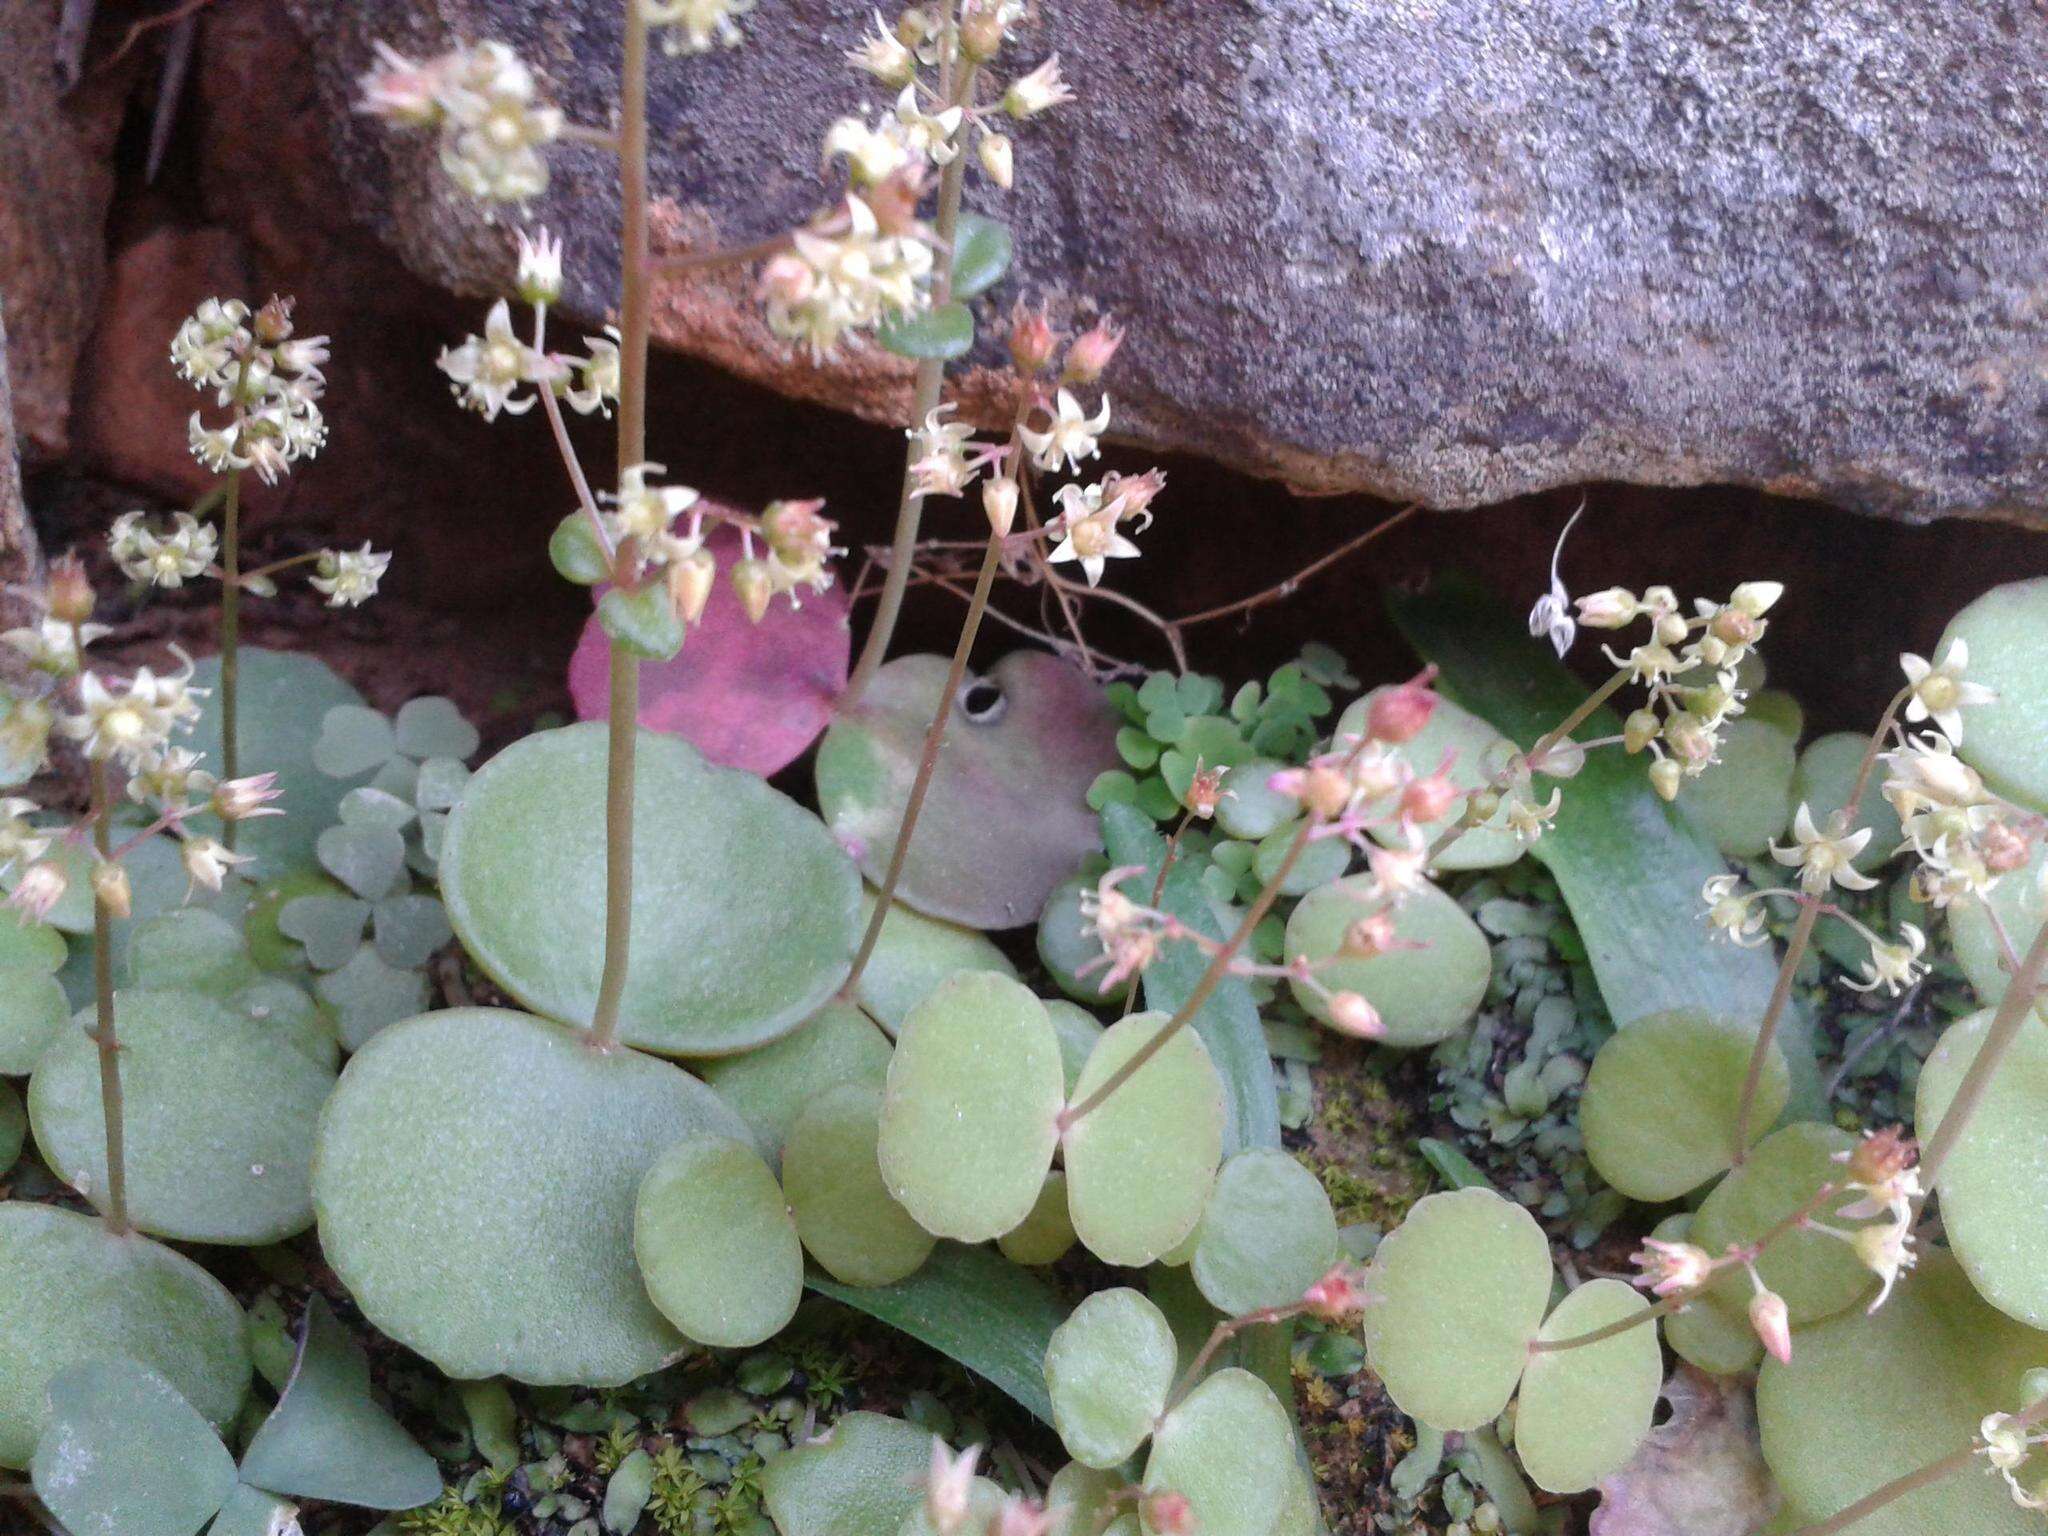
409, 929
1585, 1410
366, 995
432, 726
354, 740
1461, 1287
943, 332
372, 807
981, 254
369, 860
329, 927
1109, 1368
716, 1244
440, 784
124, 1454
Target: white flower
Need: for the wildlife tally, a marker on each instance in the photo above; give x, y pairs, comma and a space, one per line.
25, 726
1885, 1249
884, 56
486, 370
1737, 918
491, 142
1927, 773
207, 345
1823, 859
163, 560
37, 892
1070, 437
599, 375
998, 159
1552, 615
1089, 531
1940, 691
698, 25
949, 1487
929, 134
132, 723
207, 862
172, 777
1037, 92
941, 467
349, 577
539, 280
873, 153
843, 274
645, 511
50, 645
1894, 966
20, 842
215, 447
1526, 818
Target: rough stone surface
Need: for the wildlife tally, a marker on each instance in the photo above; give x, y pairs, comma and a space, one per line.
1454, 250
55, 183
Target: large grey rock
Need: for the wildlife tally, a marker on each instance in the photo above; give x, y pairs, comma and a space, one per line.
1454, 250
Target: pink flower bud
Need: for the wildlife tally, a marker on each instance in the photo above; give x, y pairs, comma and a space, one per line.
1773, 1324
1429, 799
240, 799
788, 280
1351, 1013
1399, 714
1031, 340
1204, 790
999, 501
1338, 1295
753, 586
1369, 937
41, 887
69, 595
1325, 791
1020, 1517
1091, 352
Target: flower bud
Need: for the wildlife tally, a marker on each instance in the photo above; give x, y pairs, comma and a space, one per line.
1614, 608
690, 579
999, 501
1369, 937
1338, 1295
2005, 848
1481, 806
949, 1487
1353, 1015
997, 159
1398, 714
111, 890
240, 799
1689, 738
1205, 789
1756, 598
1031, 340
787, 280
1325, 791
1091, 352
981, 30
752, 584
539, 279
1772, 1321
1731, 626
1882, 1156
794, 530
273, 322
41, 887
1665, 777
1672, 629
70, 596
1429, 799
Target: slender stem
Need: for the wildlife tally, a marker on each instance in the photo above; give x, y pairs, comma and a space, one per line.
278, 565
1287, 588
929, 760
115, 1204
634, 320
734, 256
571, 462
924, 395
1767, 1031
1855, 800
231, 639
2006, 1023
1899, 1487
1219, 1336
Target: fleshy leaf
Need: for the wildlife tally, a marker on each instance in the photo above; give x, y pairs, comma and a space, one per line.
409, 929
13, 1127
1743, 801
1109, 1368
124, 1455
369, 860
1267, 1234
1660, 1103
576, 553
943, 332
769, 1087
2006, 632
218, 1112
1994, 1186
72, 1292
1585, 1410
746, 695
2020, 903
252, 1512
1424, 994
1045, 1236
328, 1438
1006, 817
642, 621
1868, 1397
1463, 1284
1229, 1450
523, 874
329, 927
981, 255
475, 1182
354, 739
845, 1215
367, 995
1141, 1164
32, 1009
716, 1243
913, 954
968, 1120
861, 1478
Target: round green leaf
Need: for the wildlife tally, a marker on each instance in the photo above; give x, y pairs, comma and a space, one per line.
1109, 1367
1423, 995
2021, 905
643, 621
218, 1113
252, 1512
1743, 801
475, 1179
716, 1243
1141, 1164
1047, 1233
32, 1009
1229, 1450
1994, 1186
353, 740
1006, 818
845, 1215
1267, 1233
1708, 1335
329, 928
981, 254
124, 1455
369, 860
1584, 1411
1067, 945
1321, 862
328, 1438
1827, 772
407, 930
1473, 741
1463, 1284
30, 946
769, 902
576, 552
1249, 808
770, 1087
1866, 1398
862, 1477
283, 699
969, 1120
192, 949
1079, 1031
1661, 1102
913, 954
1817, 1275
944, 332
2006, 631
13, 1127
1091, 1499
71, 1292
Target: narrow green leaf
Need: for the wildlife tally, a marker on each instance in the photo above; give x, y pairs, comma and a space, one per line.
942, 334
1452, 1166
1628, 865
1229, 1021
981, 254
975, 1307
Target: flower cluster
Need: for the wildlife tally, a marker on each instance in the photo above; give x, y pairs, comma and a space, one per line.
268, 378
2007, 1440
163, 558
497, 372
847, 271
482, 100
696, 26
1680, 725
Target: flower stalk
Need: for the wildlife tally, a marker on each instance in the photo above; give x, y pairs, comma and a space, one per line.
231, 638
114, 1202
